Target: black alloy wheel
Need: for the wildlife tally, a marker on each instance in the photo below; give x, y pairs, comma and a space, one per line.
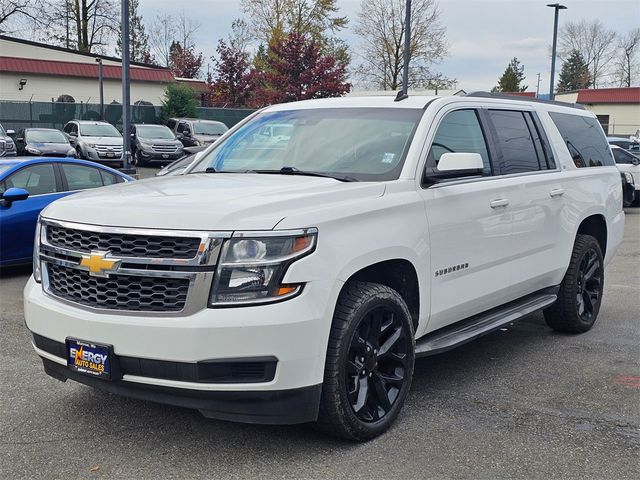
377, 364
589, 285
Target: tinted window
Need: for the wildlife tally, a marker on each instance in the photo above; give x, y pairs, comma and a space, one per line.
459, 132
518, 152
584, 138
623, 157
204, 128
35, 179
80, 177
182, 126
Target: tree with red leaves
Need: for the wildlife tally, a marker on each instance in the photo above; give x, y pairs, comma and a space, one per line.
183, 62
230, 84
297, 69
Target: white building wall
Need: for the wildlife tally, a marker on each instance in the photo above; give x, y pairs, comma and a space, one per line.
42, 88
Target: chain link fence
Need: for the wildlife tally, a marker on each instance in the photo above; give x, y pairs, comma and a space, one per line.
16, 115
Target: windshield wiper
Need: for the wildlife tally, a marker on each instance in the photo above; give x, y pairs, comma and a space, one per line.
296, 171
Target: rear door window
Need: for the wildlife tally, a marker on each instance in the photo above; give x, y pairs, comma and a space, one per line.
517, 152
80, 177
584, 138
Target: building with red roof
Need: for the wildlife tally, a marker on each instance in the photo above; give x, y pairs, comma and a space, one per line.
39, 72
618, 109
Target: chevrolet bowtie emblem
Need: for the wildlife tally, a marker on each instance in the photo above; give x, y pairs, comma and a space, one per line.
98, 265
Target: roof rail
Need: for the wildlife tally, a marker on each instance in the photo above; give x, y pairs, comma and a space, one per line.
505, 96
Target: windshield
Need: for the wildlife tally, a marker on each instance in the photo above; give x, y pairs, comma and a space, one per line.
99, 130
366, 144
2, 132
154, 131
205, 128
45, 136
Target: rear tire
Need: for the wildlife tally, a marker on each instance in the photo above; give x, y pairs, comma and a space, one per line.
370, 360
79, 153
580, 295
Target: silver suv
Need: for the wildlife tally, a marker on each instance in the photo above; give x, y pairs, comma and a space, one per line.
97, 141
7, 146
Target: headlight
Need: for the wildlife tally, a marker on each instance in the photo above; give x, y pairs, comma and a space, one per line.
37, 274
35, 151
145, 145
629, 178
90, 145
252, 267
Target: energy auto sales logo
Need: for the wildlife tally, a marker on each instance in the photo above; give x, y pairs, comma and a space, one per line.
90, 361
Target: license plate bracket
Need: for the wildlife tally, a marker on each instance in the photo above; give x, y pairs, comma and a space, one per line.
91, 358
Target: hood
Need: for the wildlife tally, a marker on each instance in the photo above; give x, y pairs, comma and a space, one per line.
103, 140
215, 201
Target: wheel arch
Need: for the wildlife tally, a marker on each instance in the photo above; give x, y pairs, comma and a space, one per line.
596, 226
397, 273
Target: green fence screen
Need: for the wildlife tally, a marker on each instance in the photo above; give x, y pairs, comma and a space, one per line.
18, 115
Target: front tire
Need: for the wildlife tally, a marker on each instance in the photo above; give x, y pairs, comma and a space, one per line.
79, 153
370, 360
580, 295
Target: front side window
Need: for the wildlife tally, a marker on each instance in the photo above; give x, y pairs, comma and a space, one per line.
516, 143
459, 132
624, 157
80, 177
35, 179
584, 138
362, 144
99, 130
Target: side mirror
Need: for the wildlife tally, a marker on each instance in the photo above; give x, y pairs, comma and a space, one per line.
11, 132
73, 134
636, 161
456, 165
13, 195
133, 135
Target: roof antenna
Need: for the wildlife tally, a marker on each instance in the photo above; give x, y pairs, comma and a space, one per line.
402, 94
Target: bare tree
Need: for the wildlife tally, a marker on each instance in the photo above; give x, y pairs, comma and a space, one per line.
381, 25
595, 43
627, 66
166, 30
14, 13
273, 18
240, 36
162, 34
88, 25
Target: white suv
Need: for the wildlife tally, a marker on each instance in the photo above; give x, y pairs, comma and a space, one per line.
297, 281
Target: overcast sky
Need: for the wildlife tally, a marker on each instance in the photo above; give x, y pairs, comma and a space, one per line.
483, 35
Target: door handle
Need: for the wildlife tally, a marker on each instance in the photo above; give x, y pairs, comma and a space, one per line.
501, 202
557, 192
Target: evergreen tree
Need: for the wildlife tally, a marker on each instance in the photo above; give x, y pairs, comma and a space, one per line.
574, 74
511, 79
138, 38
179, 101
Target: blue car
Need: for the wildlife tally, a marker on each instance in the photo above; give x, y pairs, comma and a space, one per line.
29, 185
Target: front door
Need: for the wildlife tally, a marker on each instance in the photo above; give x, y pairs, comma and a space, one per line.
470, 225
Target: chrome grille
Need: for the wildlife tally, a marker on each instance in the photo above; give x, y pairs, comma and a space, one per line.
118, 292
165, 148
104, 150
123, 245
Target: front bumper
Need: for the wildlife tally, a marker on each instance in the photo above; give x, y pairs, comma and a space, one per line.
294, 332
149, 154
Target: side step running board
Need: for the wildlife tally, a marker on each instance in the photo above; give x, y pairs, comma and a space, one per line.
462, 332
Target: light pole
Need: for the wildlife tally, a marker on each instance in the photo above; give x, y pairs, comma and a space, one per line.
557, 7
126, 88
101, 83
402, 94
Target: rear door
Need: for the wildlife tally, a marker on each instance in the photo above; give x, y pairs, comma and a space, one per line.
540, 234
469, 224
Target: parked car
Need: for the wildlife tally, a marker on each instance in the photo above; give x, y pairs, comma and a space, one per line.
29, 185
154, 143
97, 141
179, 166
45, 142
629, 163
298, 281
625, 143
193, 132
7, 145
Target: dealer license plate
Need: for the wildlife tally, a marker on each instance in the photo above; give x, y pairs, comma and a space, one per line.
89, 358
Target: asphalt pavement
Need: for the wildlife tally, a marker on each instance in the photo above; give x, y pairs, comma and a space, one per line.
523, 402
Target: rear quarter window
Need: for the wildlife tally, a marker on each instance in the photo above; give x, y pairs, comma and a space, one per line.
584, 138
